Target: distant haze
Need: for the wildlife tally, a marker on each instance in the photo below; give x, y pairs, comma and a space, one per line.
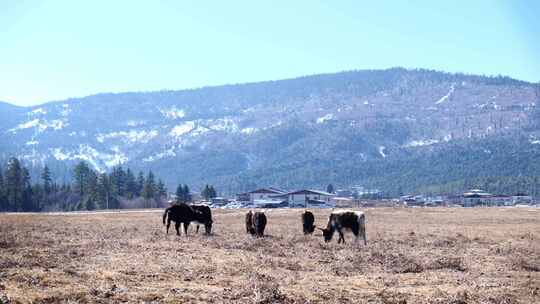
55, 49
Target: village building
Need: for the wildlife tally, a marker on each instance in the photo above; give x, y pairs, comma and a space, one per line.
522, 199
307, 198
219, 201
262, 194
342, 202
344, 193
476, 197
413, 200
500, 200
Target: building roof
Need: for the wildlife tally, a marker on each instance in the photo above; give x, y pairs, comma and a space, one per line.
476, 193
309, 191
270, 190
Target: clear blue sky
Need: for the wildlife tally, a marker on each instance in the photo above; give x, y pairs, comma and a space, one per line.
55, 49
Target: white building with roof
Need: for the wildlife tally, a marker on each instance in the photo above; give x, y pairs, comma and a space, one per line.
308, 198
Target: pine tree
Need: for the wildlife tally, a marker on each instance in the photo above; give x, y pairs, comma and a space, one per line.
208, 192
187, 194
118, 179
27, 197
3, 202
180, 194
104, 191
92, 191
131, 184
14, 185
205, 193
38, 197
46, 178
47, 186
161, 190
80, 177
140, 184
212, 192
330, 188
149, 189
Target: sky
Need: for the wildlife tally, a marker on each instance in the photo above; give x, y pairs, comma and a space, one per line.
55, 49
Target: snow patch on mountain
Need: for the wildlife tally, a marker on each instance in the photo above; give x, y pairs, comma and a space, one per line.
445, 97
487, 105
419, 143
381, 151
56, 124
199, 130
533, 140
29, 124
116, 159
135, 123
100, 161
167, 153
133, 136
38, 111
182, 129
41, 125
173, 113
248, 130
223, 124
65, 110
325, 118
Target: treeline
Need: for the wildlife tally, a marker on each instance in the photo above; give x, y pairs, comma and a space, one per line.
89, 190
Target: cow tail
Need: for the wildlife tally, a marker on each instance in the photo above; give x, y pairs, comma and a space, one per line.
165, 215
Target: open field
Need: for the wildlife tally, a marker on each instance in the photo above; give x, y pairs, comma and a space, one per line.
417, 255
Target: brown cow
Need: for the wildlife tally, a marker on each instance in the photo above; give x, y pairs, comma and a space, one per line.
255, 223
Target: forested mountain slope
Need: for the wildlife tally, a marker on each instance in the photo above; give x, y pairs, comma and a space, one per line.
396, 130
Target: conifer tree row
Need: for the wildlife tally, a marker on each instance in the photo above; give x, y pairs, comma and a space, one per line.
89, 189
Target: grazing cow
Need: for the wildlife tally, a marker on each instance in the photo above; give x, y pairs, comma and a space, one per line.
255, 223
345, 219
249, 222
307, 222
185, 214
206, 217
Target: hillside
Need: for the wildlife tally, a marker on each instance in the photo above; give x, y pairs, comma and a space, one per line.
396, 130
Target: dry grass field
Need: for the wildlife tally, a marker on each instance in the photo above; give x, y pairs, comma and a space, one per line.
423, 255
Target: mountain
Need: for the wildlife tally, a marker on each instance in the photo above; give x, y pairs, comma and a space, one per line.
395, 130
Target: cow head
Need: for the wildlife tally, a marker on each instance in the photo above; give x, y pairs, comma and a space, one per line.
327, 234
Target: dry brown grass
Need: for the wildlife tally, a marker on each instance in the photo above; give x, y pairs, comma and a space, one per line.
413, 256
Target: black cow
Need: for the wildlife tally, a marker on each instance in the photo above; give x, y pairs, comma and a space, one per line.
206, 216
307, 222
249, 222
350, 220
185, 214
255, 223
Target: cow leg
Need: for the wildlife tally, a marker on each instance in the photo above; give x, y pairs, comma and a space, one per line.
363, 231
168, 225
341, 238
177, 227
356, 232
186, 226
